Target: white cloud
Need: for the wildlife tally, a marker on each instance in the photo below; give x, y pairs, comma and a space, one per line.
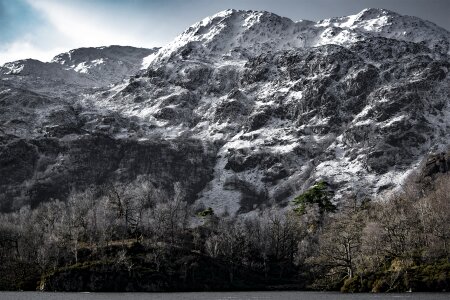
69, 25
81, 25
23, 48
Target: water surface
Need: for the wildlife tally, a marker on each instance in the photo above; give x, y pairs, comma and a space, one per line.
221, 296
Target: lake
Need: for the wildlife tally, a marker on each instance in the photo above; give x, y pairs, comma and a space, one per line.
221, 296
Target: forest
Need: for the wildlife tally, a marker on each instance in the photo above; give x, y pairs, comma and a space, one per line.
133, 237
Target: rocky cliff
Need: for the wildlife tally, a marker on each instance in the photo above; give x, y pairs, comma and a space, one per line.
246, 109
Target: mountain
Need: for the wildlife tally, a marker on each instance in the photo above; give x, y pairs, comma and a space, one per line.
106, 65
238, 35
388, 24
244, 109
73, 72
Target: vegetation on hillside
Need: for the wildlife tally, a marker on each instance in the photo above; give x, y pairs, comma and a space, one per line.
136, 238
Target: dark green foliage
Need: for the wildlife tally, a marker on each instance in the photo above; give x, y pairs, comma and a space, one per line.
416, 278
207, 212
431, 277
318, 194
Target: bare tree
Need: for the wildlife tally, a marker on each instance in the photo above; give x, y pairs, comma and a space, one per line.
340, 241
435, 218
170, 218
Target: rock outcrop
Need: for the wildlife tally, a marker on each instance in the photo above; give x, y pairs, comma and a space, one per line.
246, 109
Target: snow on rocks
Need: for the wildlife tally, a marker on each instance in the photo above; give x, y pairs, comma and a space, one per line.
357, 101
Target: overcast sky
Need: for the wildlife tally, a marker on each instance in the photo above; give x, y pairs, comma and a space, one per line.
41, 29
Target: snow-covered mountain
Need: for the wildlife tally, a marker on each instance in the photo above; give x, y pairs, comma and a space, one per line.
244, 109
73, 72
388, 24
105, 64
234, 35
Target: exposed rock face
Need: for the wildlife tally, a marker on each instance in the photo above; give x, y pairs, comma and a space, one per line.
37, 170
76, 71
435, 164
104, 65
253, 108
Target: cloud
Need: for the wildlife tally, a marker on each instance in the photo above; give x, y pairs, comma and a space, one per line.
16, 17
98, 23
41, 28
25, 33
24, 48
79, 26
66, 25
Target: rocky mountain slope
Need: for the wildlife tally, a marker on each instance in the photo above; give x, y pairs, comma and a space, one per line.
76, 71
244, 109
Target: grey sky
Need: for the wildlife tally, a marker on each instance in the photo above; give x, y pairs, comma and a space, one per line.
43, 28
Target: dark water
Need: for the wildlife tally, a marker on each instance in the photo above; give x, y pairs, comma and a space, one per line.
221, 296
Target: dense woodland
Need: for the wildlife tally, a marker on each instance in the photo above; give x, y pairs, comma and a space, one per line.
135, 238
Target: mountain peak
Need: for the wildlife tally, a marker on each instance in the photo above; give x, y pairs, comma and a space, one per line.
230, 12
375, 16
115, 52
77, 69
385, 23
240, 34
256, 105
373, 12
225, 12
228, 18
236, 34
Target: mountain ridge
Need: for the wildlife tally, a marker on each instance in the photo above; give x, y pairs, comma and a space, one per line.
287, 34
270, 104
94, 67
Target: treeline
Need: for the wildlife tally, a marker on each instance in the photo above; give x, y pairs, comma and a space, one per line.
135, 237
